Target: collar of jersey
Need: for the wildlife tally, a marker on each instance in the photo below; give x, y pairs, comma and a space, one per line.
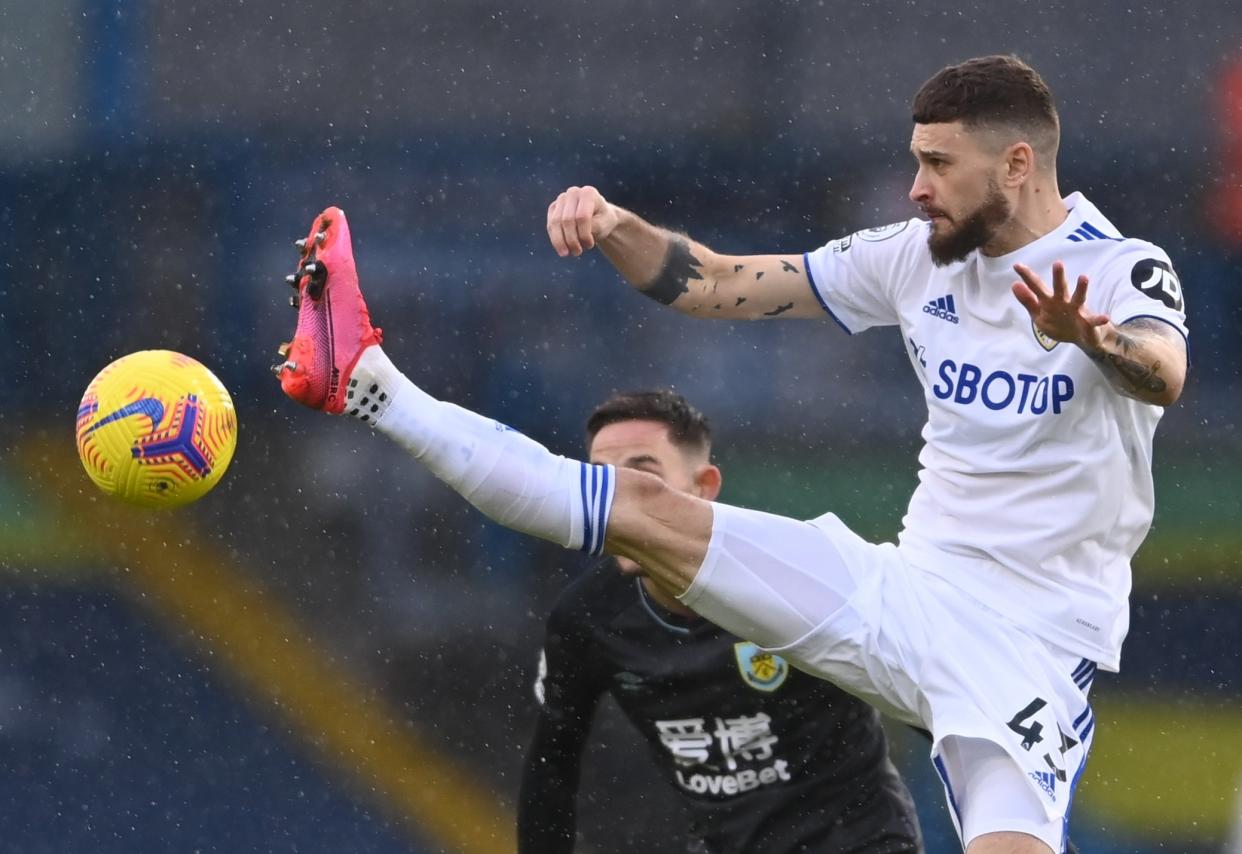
1078, 208
662, 616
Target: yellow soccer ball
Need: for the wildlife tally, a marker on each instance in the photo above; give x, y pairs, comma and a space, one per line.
156, 428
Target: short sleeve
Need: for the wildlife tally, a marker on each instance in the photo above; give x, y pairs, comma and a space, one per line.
1140, 282
854, 278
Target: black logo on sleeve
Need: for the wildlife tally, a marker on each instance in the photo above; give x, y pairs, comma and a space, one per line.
1157, 280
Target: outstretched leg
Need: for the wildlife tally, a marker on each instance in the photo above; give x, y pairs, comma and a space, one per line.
335, 364
764, 590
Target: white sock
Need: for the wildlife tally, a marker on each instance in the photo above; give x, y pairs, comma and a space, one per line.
511, 478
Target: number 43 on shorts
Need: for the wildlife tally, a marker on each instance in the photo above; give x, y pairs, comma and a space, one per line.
1033, 734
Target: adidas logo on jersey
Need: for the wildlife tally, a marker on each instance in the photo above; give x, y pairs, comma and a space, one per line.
1046, 781
943, 308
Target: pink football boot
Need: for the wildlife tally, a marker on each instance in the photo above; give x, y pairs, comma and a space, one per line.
334, 326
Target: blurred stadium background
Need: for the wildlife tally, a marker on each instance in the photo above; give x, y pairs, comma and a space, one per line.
331, 652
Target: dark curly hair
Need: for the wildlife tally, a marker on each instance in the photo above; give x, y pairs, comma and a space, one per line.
687, 427
992, 91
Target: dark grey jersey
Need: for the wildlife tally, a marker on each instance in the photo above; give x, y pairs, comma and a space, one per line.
769, 759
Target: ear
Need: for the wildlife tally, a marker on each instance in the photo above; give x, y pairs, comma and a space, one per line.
1019, 164
707, 480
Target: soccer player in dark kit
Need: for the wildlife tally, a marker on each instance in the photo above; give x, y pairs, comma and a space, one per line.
768, 758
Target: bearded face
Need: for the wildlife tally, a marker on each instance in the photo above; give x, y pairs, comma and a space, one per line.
953, 237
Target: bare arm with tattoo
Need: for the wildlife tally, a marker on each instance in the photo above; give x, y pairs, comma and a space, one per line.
1142, 358
677, 271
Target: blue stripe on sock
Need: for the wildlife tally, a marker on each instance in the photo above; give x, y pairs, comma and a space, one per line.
586, 512
588, 542
605, 505
594, 504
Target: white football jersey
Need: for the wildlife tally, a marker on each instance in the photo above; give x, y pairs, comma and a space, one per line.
1035, 487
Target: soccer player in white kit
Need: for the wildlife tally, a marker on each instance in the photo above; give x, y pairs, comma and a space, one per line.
1008, 586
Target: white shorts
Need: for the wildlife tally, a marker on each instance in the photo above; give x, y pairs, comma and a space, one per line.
1008, 712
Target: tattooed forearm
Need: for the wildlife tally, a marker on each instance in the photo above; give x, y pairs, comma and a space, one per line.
1128, 376
679, 268
690, 277
1130, 364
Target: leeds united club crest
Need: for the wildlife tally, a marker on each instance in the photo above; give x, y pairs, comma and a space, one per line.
1044, 341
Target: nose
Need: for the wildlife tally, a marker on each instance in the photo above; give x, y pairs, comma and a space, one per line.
920, 191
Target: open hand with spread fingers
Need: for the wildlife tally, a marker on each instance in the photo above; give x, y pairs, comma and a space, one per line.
1056, 313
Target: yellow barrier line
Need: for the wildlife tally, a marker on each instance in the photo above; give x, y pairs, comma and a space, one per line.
191, 586
1167, 766
271, 654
